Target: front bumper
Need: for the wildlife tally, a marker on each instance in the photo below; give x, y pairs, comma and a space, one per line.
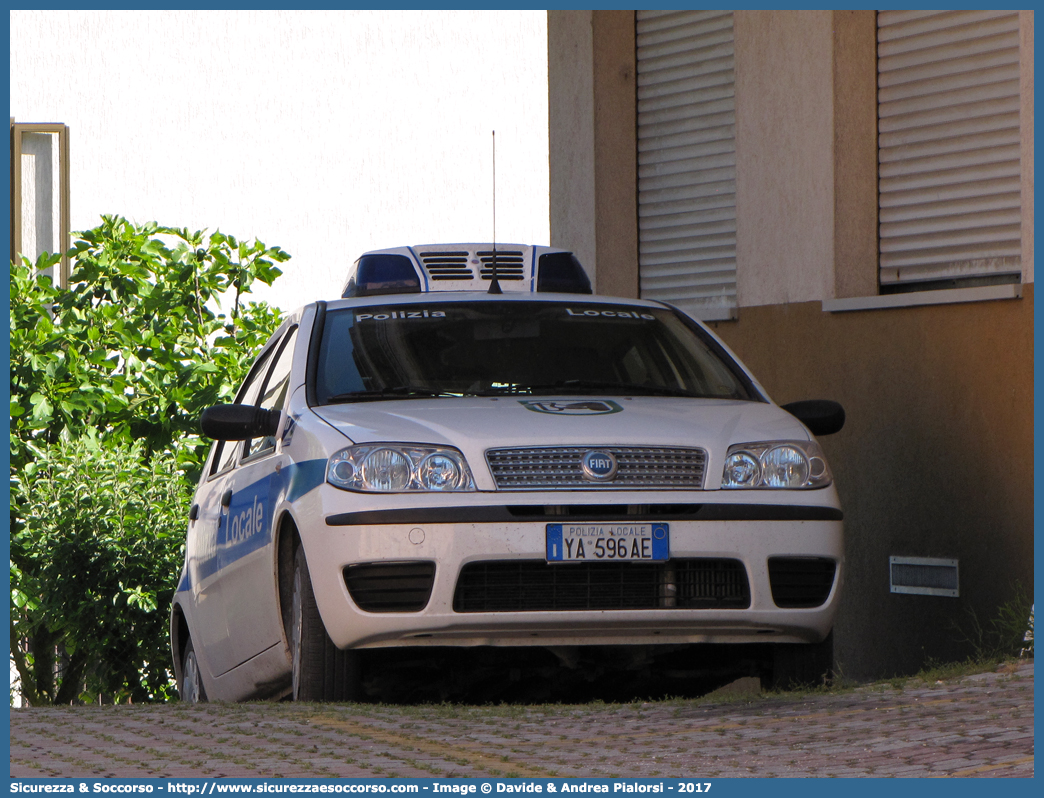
452, 536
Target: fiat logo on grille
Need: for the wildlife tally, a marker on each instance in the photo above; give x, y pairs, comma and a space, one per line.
599, 466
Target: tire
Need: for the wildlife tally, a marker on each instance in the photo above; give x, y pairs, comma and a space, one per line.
191, 687
802, 665
320, 670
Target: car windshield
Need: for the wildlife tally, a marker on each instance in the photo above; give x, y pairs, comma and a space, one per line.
518, 348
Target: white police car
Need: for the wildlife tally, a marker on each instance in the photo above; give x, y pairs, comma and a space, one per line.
470, 449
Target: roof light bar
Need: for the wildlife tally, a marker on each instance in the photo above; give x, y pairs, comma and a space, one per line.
466, 267
373, 275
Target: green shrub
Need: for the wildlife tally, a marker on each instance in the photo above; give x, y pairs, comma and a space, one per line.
1008, 634
93, 570
108, 379
138, 345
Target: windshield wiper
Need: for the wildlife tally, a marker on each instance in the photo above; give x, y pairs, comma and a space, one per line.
394, 392
588, 386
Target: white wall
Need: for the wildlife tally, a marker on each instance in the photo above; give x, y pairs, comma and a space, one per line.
327, 133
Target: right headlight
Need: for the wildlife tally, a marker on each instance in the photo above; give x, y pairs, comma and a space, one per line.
775, 465
397, 467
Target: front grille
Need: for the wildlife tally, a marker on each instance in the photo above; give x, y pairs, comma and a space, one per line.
447, 265
537, 586
801, 581
559, 467
390, 586
510, 265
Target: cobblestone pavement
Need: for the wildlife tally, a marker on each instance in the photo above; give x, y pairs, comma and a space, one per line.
979, 725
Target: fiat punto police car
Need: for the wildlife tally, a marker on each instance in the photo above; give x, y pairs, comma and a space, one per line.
471, 449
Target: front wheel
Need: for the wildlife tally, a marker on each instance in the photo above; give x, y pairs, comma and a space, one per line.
191, 688
321, 671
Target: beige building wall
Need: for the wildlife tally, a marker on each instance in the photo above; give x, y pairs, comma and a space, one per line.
784, 156
616, 167
571, 153
591, 108
936, 459
854, 265
806, 149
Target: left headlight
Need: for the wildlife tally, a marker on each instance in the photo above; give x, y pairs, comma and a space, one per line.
776, 464
399, 467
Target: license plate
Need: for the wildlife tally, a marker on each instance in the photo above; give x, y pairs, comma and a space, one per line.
608, 542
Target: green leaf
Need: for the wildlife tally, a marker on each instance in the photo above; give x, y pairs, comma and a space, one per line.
41, 406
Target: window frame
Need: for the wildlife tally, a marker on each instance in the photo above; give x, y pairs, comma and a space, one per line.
18, 129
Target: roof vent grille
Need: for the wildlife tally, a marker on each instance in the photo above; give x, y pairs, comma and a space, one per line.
448, 265
510, 265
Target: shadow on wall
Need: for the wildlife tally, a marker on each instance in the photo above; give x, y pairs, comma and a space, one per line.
935, 460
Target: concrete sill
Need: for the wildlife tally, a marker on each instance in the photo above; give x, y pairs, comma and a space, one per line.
945, 297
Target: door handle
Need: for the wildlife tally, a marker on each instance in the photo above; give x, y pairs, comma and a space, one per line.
226, 498
194, 512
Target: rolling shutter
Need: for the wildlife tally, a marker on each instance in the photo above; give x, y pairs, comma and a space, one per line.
687, 160
948, 148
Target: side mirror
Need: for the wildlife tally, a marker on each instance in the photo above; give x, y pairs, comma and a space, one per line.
821, 416
238, 422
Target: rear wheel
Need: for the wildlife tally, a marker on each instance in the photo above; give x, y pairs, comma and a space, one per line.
321, 671
191, 688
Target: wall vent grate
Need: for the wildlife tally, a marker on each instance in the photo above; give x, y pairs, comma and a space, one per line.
925, 576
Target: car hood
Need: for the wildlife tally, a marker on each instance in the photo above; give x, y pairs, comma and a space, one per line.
474, 425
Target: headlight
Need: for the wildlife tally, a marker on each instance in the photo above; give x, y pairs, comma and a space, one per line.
776, 464
396, 468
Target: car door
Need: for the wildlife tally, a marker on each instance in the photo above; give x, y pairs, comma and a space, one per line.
248, 561
209, 630
208, 539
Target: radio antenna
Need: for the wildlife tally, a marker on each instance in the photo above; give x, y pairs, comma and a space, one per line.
494, 284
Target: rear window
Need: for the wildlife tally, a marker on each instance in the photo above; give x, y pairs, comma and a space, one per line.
519, 348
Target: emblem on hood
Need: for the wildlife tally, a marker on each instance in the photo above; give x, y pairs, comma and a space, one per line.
599, 466
589, 407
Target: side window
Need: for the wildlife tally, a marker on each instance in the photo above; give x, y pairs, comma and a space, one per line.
273, 394
226, 453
